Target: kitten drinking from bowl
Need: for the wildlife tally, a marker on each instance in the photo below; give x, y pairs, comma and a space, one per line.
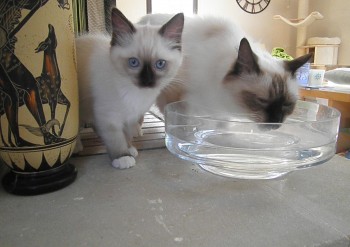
224, 70
120, 77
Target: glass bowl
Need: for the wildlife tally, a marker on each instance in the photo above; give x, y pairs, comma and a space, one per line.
235, 146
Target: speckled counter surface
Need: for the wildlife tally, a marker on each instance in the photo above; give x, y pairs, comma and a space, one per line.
164, 201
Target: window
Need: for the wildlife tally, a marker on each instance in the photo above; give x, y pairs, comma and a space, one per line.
188, 7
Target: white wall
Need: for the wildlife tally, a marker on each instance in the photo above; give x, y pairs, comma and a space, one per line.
132, 9
262, 27
271, 32
336, 23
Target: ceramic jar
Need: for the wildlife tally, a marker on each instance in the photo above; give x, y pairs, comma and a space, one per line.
38, 95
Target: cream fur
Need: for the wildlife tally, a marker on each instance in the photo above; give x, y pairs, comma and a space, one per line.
110, 97
210, 48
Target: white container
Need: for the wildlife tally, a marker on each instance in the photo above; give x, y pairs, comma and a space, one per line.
316, 77
325, 50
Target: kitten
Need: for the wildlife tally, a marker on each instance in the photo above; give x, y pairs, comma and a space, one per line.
222, 70
121, 76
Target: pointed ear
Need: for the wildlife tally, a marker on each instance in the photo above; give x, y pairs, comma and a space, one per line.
173, 29
246, 61
120, 26
295, 64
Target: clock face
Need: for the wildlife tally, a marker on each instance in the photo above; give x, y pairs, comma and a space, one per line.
253, 6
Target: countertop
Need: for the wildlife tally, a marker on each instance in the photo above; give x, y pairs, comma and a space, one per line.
164, 201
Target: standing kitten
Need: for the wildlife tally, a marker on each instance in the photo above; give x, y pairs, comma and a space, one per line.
222, 70
121, 76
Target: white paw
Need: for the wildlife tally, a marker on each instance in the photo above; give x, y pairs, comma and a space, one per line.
124, 162
133, 152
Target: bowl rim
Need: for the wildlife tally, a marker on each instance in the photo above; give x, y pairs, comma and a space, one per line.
335, 114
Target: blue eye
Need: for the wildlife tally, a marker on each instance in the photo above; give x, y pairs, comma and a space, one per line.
134, 62
160, 64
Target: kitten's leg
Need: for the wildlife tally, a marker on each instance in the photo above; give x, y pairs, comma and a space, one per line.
133, 151
135, 130
117, 148
129, 133
139, 127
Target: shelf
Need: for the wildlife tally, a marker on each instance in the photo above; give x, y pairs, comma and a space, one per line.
310, 46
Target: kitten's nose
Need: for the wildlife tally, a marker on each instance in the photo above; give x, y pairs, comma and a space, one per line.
147, 77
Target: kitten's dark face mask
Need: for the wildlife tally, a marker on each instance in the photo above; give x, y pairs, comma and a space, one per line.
270, 102
145, 68
274, 108
272, 112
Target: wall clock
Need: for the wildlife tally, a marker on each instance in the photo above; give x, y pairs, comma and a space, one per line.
253, 6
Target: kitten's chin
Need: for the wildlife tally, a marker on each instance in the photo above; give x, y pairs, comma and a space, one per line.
146, 84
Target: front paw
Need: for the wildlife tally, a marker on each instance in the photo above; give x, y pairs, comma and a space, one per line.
124, 162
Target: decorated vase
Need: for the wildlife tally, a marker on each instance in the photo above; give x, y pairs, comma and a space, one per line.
38, 95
